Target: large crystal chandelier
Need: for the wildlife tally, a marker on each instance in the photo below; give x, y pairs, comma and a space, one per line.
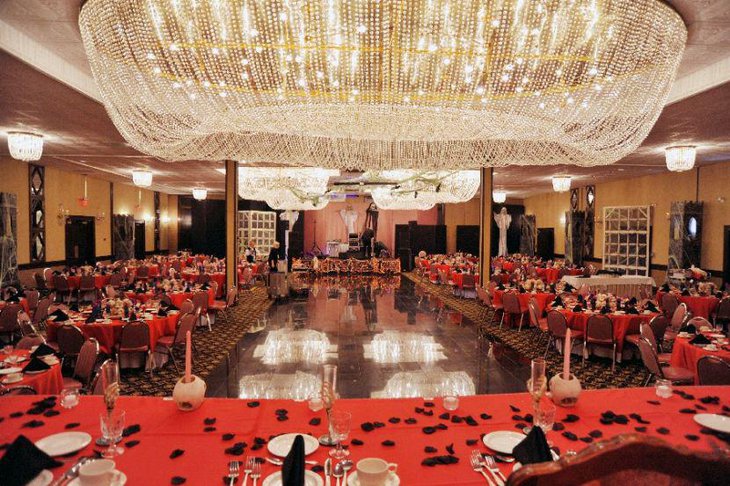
275, 183
288, 201
386, 198
379, 84
446, 186
25, 146
680, 158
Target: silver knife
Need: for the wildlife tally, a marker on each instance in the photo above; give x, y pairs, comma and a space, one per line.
72, 472
327, 472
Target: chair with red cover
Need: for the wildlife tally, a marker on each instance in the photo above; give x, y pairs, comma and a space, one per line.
512, 308
599, 332
135, 340
712, 370
200, 303
69, 340
557, 327
676, 374
669, 304
9, 320
84, 369
168, 344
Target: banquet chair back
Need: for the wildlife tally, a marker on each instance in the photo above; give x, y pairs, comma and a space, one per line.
231, 297
187, 307
629, 459
40, 282
166, 299
86, 362
468, 282
49, 278
30, 340
646, 332
135, 339
25, 324
200, 301
110, 291
97, 385
70, 341
32, 297
511, 306
87, 287
203, 278
659, 326
9, 320
669, 304
143, 272
115, 279
557, 324
41, 313
246, 277
722, 314
177, 266
650, 359
712, 370
214, 285
535, 315
699, 322
60, 282
599, 332
482, 295
679, 316
17, 390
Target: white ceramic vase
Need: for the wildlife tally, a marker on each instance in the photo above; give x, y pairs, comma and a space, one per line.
565, 392
189, 395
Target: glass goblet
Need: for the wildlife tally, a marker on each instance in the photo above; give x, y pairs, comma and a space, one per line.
339, 431
112, 426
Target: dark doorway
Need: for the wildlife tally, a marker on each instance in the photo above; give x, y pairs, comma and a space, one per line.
467, 239
546, 243
139, 240
80, 240
726, 257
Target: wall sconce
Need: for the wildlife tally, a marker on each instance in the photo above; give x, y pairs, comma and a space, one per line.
562, 220
100, 216
147, 217
720, 199
165, 219
63, 214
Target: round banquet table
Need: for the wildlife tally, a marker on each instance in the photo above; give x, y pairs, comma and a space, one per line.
458, 279
543, 299
109, 334
217, 277
700, 305
23, 304
177, 298
100, 281
143, 297
687, 355
623, 324
47, 383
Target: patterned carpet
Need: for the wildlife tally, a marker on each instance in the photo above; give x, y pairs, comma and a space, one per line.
213, 347
530, 343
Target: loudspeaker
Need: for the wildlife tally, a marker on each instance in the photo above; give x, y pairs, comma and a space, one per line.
406, 259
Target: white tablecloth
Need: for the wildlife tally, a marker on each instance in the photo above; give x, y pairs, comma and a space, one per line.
628, 285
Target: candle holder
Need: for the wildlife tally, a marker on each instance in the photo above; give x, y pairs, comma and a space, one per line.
565, 392
189, 395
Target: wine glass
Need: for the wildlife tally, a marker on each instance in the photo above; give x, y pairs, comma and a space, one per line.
328, 393
339, 425
545, 415
110, 385
112, 426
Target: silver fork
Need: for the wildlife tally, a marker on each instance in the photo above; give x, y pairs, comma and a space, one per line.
255, 471
477, 465
492, 466
232, 472
247, 468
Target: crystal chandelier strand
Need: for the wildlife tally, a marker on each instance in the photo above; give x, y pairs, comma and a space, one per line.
381, 84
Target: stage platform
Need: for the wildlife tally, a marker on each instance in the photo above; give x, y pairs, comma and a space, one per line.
379, 266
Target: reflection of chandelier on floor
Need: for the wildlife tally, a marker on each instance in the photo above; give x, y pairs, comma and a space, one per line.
297, 386
383, 84
404, 347
429, 383
295, 346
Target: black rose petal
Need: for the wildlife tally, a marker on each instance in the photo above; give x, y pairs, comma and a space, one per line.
209, 429
315, 421
282, 411
51, 413
210, 420
692, 437
176, 453
429, 404
595, 433
456, 419
518, 418
450, 449
514, 409
282, 418
429, 430
688, 396
253, 404
485, 416
428, 413
725, 408
640, 428
367, 426
653, 402
411, 421
688, 410
570, 435
587, 439
33, 424
388, 443
621, 419
394, 420
445, 416
442, 426
227, 437
429, 461
132, 429
72, 425
471, 421
710, 399
259, 440
178, 480
131, 443
570, 418
236, 449
256, 447
471, 442
700, 407
317, 468
663, 430
357, 442
430, 449
606, 421
608, 414
378, 425
520, 425
558, 426
35, 411
528, 417
419, 410
16, 414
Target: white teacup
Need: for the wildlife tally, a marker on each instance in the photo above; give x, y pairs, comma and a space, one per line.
100, 472
374, 472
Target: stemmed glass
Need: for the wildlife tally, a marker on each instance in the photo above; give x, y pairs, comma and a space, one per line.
339, 425
328, 394
110, 384
536, 385
112, 427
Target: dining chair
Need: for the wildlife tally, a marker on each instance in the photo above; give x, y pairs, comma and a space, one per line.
669, 304
143, 273
135, 340
699, 322
214, 285
468, 284
490, 303
512, 308
60, 283
116, 279
84, 368
557, 326
177, 266
646, 331
25, 324
200, 303
49, 278
680, 315
676, 374
70, 340
203, 278
41, 313
722, 313
599, 332
40, 282
169, 344
534, 314
223, 305
659, 324
246, 278
97, 384
30, 340
9, 320
87, 286
17, 390
187, 307
32, 297
712, 370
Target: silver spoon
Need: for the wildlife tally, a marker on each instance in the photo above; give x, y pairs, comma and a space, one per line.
338, 473
346, 466
505, 459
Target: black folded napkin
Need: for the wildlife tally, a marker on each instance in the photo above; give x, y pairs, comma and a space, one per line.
606, 310
292, 471
36, 364
631, 310
651, 307
665, 287
500, 286
533, 448
568, 288
522, 290
690, 328
700, 339
685, 293
633, 301
578, 308
23, 461
74, 307
162, 312
558, 302
60, 315
139, 291
42, 350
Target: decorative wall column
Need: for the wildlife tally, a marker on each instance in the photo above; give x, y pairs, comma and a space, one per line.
231, 224
485, 225
8, 239
37, 180
123, 236
685, 235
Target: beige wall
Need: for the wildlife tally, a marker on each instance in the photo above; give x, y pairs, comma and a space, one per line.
462, 214
658, 191
15, 180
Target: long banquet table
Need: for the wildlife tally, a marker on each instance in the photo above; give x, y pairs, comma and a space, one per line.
204, 460
627, 285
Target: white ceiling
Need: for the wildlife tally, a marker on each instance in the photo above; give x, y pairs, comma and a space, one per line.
45, 34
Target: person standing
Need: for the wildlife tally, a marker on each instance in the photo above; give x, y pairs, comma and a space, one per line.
274, 257
251, 252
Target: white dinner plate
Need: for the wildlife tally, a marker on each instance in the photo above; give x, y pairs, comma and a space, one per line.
18, 359
503, 441
10, 381
63, 443
310, 479
393, 479
281, 445
9, 371
44, 478
120, 480
713, 421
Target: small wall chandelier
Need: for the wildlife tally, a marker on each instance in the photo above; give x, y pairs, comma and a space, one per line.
499, 196
200, 193
142, 178
680, 157
561, 183
25, 146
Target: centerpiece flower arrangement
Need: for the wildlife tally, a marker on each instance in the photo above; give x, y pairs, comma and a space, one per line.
605, 298
116, 306
533, 284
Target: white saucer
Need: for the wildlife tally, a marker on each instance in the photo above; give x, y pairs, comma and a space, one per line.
393, 479
9, 371
503, 441
44, 478
63, 443
122, 479
18, 359
713, 421
36, 372
310, 479
10, 381
281, 445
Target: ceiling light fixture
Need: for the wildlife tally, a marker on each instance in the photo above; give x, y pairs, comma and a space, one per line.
385, 198
142, 178
200, 193
499, 196
363, 83
25, 146
561, 183
680, 157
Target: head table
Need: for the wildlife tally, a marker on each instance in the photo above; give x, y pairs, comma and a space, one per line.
204, 459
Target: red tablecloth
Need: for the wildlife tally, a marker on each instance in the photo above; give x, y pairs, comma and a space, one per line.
47, 383
700, 306
218, 277
543, 299
458, 279
109, 335
100, 281
140, 297
164, 429
623, 324
687, 355
177, 298
23, 303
